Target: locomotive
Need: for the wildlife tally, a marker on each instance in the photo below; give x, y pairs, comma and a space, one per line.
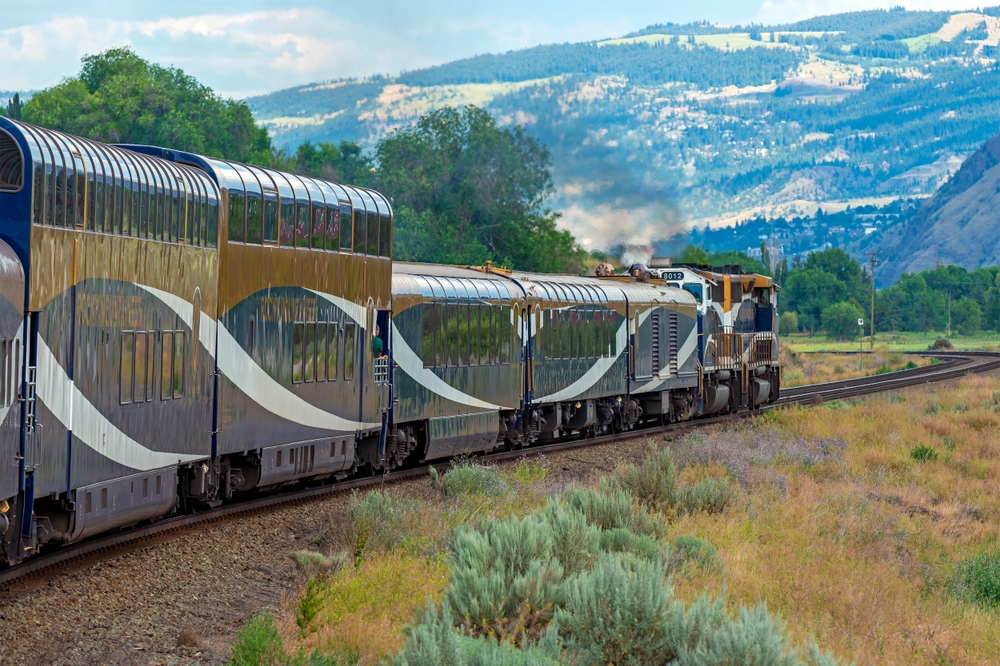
179, 331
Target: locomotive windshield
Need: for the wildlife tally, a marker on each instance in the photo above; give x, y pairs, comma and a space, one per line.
694, 289
11, 164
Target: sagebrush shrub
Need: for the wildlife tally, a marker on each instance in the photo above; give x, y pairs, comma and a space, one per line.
505, 581
575, 542
471, 478
619, 614
620, 540
652, 482
754, 639
613, 507
376, 522
711, 495
693, 549
312, 563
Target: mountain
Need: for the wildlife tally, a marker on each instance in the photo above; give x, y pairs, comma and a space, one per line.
699, 124
958, 225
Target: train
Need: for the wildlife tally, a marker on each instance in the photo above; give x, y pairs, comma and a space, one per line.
179, 331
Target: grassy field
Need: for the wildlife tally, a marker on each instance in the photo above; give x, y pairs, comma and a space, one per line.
799, 368
870, 527
903, 341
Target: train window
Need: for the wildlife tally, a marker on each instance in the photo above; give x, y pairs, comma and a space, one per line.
507, 331
478, 354
429, 326
125, 368
594, 334
141, 361
104, 498
359, 232
177, 216
287, 221
385, 236
127, 209
372, 234
166, 365
309, 357
694, 289
11, 164
254, 219
441, 336
98, 195
302, 226
150, 359
349, 350
346, 227
298, 336
145, 487
319, 227
332, 346
178, 364
454, 356
143, 215
332, 228
320, 356
270, 216
485, 333
70, 192
213, 223
60, 196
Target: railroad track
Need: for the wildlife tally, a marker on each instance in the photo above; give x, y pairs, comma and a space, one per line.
951, 365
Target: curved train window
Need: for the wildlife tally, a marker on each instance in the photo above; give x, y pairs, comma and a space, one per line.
441, 336
287, 220
318, 227
333, 227
346, 227
255, 218
475, 341
11, 164
302, 225
270, 215
350, 333
372, 234
359, 231
451, 327
384, 237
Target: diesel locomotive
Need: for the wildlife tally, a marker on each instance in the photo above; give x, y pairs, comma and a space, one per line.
178, 331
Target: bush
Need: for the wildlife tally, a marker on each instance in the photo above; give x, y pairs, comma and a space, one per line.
693, 549
613, 507
505, 581
653, 482
923, 453
311, 602
311, 563
941, 343
471, 478
622, 541
257, 643
754, 639
620, 614
978, 579
711, 495
376, 522
575, 542
788, 322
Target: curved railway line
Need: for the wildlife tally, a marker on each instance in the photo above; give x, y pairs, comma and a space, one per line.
951, 365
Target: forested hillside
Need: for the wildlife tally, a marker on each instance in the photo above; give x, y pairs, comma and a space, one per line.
678, 124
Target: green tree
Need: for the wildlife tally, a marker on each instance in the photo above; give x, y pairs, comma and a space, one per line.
842, 266
808, 291
466, 191
841, 320
120, 98
13, 107
966, 316
788, 322
342, 163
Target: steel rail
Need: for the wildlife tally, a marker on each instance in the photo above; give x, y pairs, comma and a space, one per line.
955, 365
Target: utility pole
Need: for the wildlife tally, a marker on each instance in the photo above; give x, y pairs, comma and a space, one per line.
874, 262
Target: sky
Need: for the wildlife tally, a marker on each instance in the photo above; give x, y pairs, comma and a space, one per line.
247, 47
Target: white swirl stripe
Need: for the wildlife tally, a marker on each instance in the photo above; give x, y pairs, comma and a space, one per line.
410, 363
594, 374
263, 389
184, 309
65, 400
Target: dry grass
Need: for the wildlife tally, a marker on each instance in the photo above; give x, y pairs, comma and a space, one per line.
814, 368
857, 553
846, 532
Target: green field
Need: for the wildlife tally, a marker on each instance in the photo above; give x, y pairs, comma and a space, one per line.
901, 341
